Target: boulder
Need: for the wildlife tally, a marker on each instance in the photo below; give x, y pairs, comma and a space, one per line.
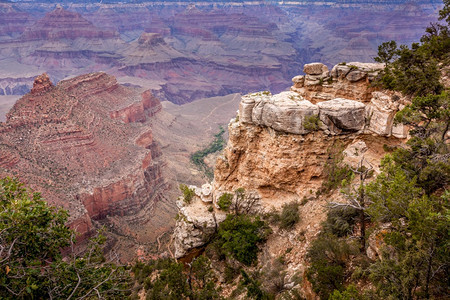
298, 81
342, 115
356, 75
381, 112
245, 109
355, 71
354, 153
195, 225
285, 112
400, 131
315, 68
247, 104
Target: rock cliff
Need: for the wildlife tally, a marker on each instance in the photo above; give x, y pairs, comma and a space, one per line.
86, 144
279, 146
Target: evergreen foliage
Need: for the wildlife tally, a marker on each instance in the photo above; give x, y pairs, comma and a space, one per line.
340, 221
335, 170
188, 193
32, 237
328, 257
169, 279
225, 201
408, 203
239, 236
288, 217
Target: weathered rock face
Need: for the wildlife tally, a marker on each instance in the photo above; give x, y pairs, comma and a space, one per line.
197, 222
342, 114
41, 84
284, 112
276, 159
72, 142
347, 81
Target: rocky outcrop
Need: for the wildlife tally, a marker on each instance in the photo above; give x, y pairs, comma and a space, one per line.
41, 84
280, 145
74, 143
284, 112
197, 221
348, 81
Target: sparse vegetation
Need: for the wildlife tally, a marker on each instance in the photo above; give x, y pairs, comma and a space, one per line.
335, 170
239, 236
198, 157
225, 201
311, 123
288, 217
188, 193
168, 279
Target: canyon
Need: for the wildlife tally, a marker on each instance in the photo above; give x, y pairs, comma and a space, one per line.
85, 145
185, 51
109, 154
103, 146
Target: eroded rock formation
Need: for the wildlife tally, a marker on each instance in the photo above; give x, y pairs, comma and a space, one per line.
74, 143
279, 145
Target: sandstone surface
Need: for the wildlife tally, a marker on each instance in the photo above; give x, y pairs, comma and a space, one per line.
276, 160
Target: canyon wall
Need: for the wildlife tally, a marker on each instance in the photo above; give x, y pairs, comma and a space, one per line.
86, 144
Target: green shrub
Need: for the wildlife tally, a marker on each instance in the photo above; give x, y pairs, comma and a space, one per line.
340, 221
335, 170
328, 256
239, 236
188, 194
225, 201
289, 215
32, 235
254, 288
311, 123
350, 293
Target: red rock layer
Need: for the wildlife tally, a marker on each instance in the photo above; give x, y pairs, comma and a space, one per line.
73, 143
63, 24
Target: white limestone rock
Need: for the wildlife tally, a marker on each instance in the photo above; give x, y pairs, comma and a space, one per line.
298, 81
195, 225
381, 112
284, 112
400, 131
206, 194
355, 71
315, 68
245, 109
354, 153
247, 104
342, 115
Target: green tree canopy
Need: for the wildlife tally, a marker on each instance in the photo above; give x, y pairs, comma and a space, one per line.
32, 237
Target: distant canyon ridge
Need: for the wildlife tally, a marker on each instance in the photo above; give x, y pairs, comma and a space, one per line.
183, 51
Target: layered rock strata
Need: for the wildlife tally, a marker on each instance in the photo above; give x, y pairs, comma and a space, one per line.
86, 145
279, 145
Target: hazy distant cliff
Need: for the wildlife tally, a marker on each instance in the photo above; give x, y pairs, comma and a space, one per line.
205, 48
